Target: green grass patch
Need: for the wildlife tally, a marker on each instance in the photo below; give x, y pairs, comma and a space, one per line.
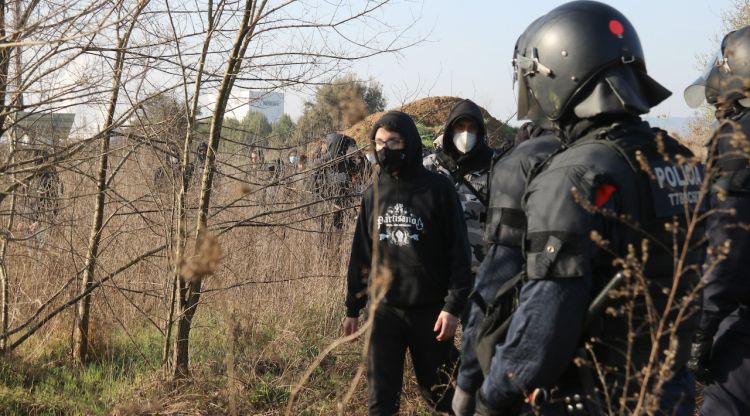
266, 394
49, 385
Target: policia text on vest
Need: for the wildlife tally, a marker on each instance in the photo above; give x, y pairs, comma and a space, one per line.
682, 185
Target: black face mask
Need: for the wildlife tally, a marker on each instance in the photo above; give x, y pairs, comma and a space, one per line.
392, 160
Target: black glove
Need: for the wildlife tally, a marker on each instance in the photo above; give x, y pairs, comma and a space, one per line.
463, 402
700, 357
482, 409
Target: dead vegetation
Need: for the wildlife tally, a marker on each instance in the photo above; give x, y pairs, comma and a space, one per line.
273, 302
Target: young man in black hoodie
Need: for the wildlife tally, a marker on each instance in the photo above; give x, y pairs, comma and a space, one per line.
422, 243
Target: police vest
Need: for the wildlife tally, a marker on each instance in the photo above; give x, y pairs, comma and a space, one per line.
668, 192
506, 221
670, 195
506, 225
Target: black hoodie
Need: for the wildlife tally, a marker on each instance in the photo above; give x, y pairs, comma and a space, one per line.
421, 234
334, 178
480, 156
337, 145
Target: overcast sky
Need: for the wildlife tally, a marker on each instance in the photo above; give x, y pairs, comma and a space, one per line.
469, 46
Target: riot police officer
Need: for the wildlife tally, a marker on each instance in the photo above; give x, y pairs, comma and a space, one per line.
615, 183
497, 280
720, 357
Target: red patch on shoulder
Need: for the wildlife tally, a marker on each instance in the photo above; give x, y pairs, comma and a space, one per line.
603, 194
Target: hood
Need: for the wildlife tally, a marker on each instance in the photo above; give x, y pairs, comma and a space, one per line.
337, 145
478, 157
404, 125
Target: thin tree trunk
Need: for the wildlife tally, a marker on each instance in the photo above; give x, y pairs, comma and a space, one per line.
4, 65
166, 348
189, 292
4, 276
81, 330
181, 208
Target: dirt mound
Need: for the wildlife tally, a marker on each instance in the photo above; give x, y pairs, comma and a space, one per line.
430, 113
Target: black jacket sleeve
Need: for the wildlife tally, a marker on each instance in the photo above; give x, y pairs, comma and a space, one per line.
726, 283
360, 260
459, 261
545, 328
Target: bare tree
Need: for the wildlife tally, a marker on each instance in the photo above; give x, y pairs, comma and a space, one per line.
108, 61
259, 23
80, 346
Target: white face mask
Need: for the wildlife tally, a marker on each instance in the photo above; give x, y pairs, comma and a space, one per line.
371, 158
293, 159
464, 141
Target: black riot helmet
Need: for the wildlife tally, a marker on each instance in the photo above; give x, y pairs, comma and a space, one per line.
727, 74
583, 57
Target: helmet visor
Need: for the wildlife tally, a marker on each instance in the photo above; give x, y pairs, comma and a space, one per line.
695, 93
522, 95
524, 67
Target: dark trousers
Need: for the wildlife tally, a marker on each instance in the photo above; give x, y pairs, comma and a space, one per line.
729, 394
394, 331
678, 395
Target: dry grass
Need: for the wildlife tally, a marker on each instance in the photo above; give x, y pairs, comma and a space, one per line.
274, 301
